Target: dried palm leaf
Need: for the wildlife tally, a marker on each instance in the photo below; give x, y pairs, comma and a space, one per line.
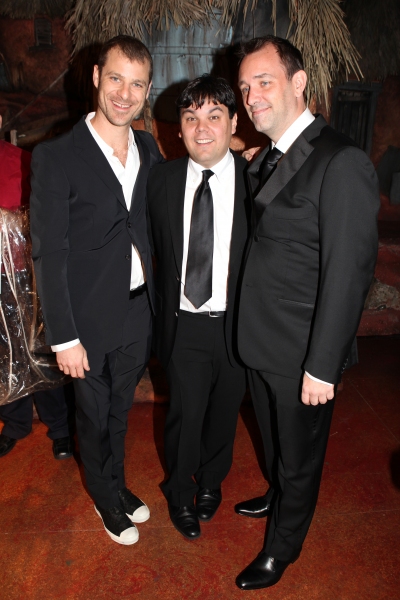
324, 40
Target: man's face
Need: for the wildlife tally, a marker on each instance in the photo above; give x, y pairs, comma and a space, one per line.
271, 100
123, 86
207, 132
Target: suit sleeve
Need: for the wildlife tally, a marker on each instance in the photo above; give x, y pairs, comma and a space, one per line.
50, 246
349, 205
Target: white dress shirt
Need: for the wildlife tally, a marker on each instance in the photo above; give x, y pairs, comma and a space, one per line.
222, 185
283, 144
127, 178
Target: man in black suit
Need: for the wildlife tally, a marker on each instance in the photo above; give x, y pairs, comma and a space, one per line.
197, 208
93, 267
309, 266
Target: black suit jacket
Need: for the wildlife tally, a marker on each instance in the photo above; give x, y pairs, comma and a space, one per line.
166, 195
82, 235
311, 258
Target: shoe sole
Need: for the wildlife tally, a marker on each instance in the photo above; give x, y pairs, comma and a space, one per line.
114, 537
253, 516
62, 457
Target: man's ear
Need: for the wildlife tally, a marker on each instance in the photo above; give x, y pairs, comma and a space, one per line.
299, 82
148, 89
96, 76
234, 123
180, 134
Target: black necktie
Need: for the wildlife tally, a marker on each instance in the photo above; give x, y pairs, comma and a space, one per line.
198, 284
269, 164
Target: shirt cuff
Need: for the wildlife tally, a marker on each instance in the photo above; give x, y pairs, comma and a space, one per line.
61, 347
315, 379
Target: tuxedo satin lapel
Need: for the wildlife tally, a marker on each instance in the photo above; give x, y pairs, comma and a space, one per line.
139, 190
289, 165
252, 171
89, 151
175, 188
239, 224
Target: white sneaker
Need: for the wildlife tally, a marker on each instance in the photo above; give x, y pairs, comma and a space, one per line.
118, 526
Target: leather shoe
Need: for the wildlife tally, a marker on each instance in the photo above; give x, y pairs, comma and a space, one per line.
185, 520
207, 503
62, 448
6, 444
133, 506
263, 572
117, 525
257, 508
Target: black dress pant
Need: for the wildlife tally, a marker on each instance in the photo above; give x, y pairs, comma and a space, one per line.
52, 409
103, 400
205, 395
295, 437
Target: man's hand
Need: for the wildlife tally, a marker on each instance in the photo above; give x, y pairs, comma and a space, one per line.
73, 361
251, 153
314, 392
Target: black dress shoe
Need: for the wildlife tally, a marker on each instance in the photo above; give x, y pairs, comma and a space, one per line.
185, 520
257, 508
263, 572
6, 444
207, 503
62, 448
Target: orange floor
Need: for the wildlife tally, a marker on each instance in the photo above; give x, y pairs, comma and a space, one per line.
54, 547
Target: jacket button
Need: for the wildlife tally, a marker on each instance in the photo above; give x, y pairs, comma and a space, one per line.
128, 256
176, 314
256, 238
129, 225
178, 278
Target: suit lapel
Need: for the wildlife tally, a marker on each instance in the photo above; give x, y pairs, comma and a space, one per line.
239, 224
175, 189
139, 189
289, 165
252, 172
89, 151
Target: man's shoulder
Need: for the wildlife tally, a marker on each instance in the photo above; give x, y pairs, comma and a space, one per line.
170, 167
56, 144
329, 140
240, 162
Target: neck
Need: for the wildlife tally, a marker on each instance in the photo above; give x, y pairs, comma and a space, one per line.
275, 136
114, 136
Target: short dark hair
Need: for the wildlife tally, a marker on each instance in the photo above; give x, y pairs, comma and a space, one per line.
133, 49
207, 87
289, 55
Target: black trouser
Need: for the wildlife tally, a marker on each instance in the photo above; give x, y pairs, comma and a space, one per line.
103, 400
205, 396
295, 437
52, 409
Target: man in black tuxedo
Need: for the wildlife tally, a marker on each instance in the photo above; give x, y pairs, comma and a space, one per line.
309, 266
93, 267
198, 216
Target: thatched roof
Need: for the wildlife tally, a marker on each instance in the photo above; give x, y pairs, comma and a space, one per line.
318, 28
24, 9
324, 40
375, 31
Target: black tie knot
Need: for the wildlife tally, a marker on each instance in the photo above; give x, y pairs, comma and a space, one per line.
269, 164
207, 174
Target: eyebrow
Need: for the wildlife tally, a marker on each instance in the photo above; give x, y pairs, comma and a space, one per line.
193, 110
260, 76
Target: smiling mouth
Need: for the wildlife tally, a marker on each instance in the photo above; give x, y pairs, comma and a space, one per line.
204, 141
121, 106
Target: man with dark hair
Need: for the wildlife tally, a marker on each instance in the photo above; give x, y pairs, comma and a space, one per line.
93, 266
308, 269
198, 215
